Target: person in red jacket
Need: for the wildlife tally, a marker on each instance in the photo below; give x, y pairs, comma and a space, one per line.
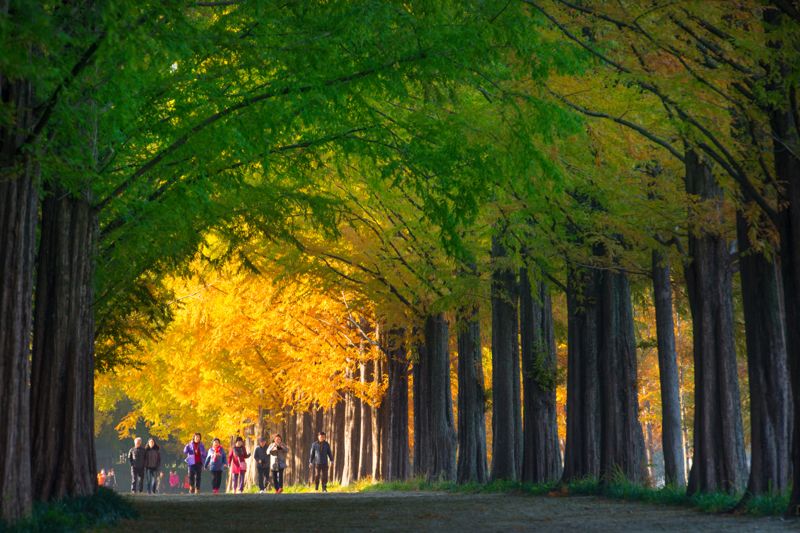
238, 463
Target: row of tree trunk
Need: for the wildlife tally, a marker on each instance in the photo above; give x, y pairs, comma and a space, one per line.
47, 393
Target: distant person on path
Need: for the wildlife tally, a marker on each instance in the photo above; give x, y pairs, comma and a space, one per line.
152, 463
238, 462
101, 478
195, 452
136, 460
174, 481
262, 464
111, 479
215, 462
320, 455
277, 461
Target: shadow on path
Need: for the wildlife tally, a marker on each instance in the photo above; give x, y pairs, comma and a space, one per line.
423, 511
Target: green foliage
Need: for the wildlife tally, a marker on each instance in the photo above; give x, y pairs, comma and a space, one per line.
105, 508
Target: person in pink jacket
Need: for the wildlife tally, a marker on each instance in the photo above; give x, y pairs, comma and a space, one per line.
238, 464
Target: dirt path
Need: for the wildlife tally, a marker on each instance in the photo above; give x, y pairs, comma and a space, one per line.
424, 511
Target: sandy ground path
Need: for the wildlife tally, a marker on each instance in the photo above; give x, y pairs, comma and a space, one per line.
424, 511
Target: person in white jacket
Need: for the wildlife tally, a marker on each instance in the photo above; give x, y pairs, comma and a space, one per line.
277, 461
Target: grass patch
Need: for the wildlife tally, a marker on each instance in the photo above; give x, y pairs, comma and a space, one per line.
75, 514
718, 502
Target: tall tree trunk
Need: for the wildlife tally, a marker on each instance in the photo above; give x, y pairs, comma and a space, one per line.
377, 426
397, 463
338, 429
18, 205
719, 460
419, 419
319, 422
671, 428
770, 391
290, 435
471, 467
582, 447
541, 455
352, 424
309, 436
621, 438
62, 375
365, 441
786, 145
650, 448
436, 441
505, 350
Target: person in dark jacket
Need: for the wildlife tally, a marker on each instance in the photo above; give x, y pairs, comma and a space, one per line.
136, 460
195, 453
261, 458
152, 463
320, 455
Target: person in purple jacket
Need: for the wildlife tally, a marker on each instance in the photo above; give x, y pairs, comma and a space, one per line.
195, 454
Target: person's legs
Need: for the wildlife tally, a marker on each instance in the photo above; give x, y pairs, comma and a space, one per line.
279, 480
216, 480
316, 477
192, 478
242, 475
324, 475
133, 479
139, 480
262, 478
148, 481
199, 475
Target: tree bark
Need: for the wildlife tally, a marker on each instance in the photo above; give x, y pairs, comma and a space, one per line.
719, 461
18, 205
436, 440
582, 447
352, 428
377, 426
786, 144
770, 394
541, 455
365, 441
621, 438
397, 463
62, 376
338, 429
308, 437
290, 435
471, 467
671, 428
505, 367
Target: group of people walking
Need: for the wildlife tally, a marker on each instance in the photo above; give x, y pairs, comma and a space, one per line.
270, 462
